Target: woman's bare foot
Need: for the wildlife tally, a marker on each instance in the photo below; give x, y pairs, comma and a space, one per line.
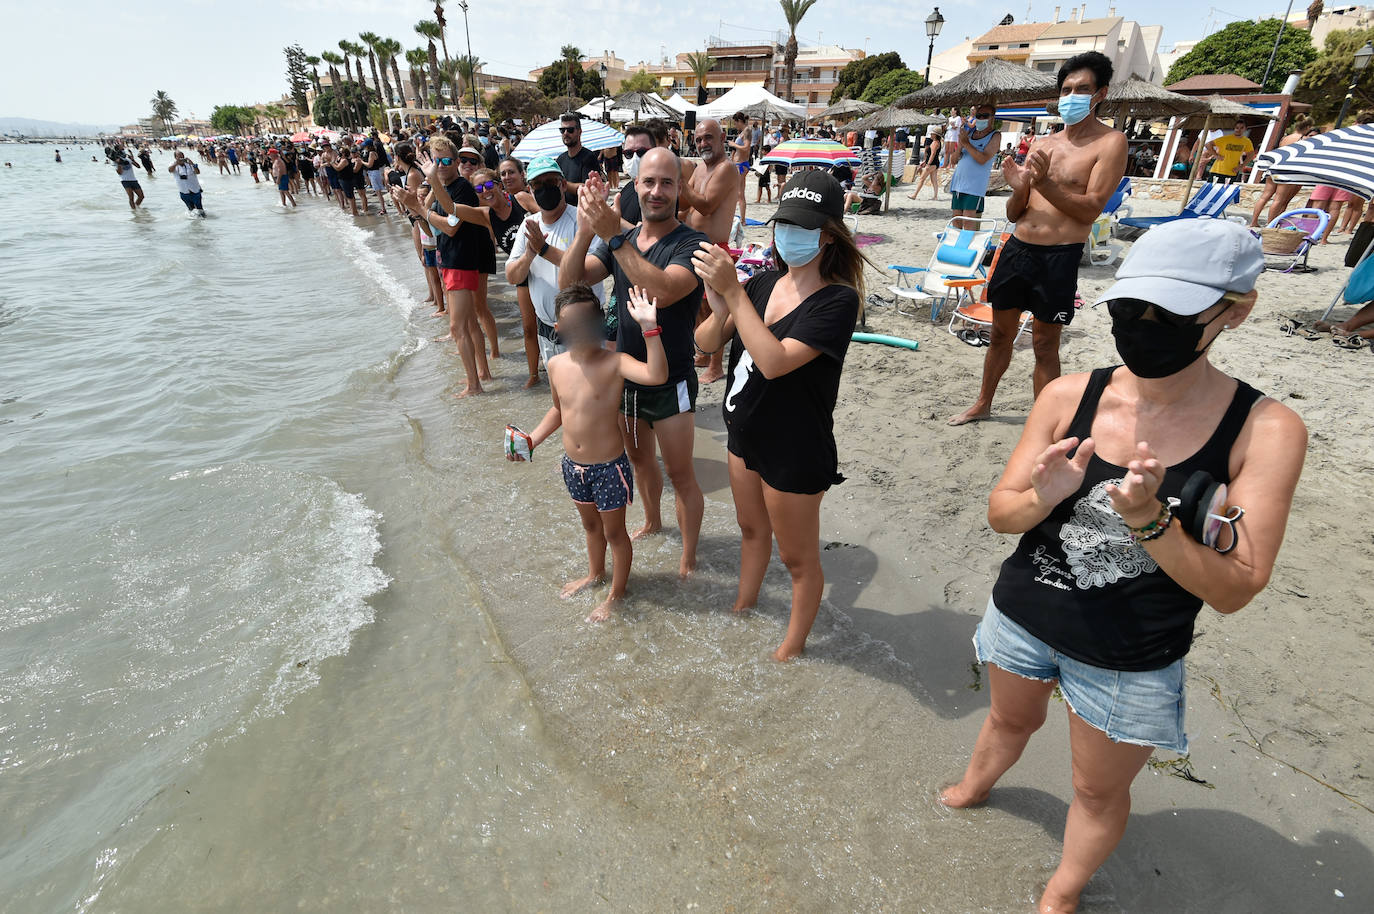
786, 652
972, 414
436, 313
685, 569
957, 796
647, 530
711, 376
742, 609
495, 352
443, 339
603, 612
1053, 902
573, 588
468, 392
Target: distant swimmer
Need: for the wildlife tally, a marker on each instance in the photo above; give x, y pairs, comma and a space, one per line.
57, 156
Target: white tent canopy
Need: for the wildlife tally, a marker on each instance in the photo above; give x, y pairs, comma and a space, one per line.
679, 103
742, 97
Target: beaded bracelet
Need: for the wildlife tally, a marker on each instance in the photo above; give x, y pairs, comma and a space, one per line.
1155, 528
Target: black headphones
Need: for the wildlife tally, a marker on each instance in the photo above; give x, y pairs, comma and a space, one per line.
1201, 509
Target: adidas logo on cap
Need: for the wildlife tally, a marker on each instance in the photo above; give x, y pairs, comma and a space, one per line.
805, 193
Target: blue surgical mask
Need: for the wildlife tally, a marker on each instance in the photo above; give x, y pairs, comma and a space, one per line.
980, 124
1073, 108
796, 246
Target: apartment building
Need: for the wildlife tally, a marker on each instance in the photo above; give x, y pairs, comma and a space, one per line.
1044, 46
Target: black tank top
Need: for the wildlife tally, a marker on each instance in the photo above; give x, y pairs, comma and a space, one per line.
1077, 582
505, 229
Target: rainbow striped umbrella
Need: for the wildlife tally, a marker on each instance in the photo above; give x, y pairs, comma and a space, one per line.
811, 152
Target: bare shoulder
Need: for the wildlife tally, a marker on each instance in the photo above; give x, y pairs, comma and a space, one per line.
1276, 424
1065, 390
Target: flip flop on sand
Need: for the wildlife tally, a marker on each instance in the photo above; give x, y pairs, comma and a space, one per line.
971, 337
1288, 325
1347, 342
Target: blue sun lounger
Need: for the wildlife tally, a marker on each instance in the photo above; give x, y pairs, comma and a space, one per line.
1210, 202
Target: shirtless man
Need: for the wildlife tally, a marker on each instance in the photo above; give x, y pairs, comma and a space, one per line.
1056, 196
741, 149
711, 192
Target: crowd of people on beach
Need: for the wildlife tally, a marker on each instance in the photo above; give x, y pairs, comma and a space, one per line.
1125, 487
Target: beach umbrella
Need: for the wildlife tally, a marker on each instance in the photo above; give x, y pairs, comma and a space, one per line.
993, 80
302, 137
1342, 158
644, 103
320, 133
1140, 98
811, 152
848, 107
769, 111
546, 140
890, 118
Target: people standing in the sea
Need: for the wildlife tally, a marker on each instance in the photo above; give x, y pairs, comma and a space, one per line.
57, 156
188, 182
656, 256
788, 334
1056, 196
343, 174
374, 161
708, 199
128, 176
280, 174
233, 154
1120, 546
145, 156
222, 158
586, 382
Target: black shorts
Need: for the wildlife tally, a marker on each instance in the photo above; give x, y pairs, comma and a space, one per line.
654, 404
1039, 278
806, 474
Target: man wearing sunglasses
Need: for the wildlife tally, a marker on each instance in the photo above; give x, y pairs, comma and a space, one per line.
577, 162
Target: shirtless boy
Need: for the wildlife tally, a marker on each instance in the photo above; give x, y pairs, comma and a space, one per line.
279, 172
1056, 196
741, 154
711, 192
587, 382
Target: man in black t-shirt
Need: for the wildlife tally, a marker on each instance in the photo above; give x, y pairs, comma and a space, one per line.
638, 141
657, 257
577, 163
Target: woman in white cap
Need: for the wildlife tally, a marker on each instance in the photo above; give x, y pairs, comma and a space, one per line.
788, 334
1125, 533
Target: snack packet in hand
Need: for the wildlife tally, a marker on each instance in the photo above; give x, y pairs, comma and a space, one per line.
518, 444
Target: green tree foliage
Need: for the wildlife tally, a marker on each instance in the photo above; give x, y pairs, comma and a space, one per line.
892, 85
857, 74
1242, 49
355, 100
523, 102
164, 109
640, 82
298, 72
553, 81
1324, 81
232, 118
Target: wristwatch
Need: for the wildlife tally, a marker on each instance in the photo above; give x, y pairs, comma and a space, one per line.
452, 220
615, 243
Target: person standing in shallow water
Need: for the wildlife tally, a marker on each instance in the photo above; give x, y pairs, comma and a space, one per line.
788, 334
1056, 196
1111, 571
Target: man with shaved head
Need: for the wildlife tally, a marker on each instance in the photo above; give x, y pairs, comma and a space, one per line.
710, 195
656, 256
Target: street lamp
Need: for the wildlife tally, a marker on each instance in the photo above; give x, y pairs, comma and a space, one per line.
604, 90
933, 24
472, 63
1362, 57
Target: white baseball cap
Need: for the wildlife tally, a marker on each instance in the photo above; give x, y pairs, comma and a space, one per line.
1187, 265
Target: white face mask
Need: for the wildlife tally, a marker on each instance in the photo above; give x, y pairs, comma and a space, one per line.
632, 166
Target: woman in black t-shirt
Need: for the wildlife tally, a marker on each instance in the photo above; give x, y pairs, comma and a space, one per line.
788, 334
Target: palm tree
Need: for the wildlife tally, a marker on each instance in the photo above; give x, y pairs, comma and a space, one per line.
440, 21
164, 109
389, 48
451, 71
792, 11
335, 84
469, 67
572, 56
430, 30
358, 51
700, 63
417, 60
314, 71
369, 40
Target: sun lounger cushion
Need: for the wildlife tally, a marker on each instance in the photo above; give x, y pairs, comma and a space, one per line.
954, 254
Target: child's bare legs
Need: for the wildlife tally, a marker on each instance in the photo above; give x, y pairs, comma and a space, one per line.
436, 288
596, 552
529, 333
796, 521
459, 319
622, 555
756, 533
487, 322
479, 349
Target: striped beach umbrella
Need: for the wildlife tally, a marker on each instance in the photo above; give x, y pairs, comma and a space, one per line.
1342, 158
545, 140
811, 152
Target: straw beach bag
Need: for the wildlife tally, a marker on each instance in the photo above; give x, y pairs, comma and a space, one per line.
1281, 240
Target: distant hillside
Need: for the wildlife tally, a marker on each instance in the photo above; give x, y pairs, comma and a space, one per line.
30, 127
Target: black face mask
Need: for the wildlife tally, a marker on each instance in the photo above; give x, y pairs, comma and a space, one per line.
548, 196
1152, 349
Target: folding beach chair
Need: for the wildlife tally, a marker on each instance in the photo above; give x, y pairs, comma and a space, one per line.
974, 311
1311, 222
1210, 202
958, 256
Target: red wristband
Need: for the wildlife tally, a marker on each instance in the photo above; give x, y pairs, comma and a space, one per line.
654, 332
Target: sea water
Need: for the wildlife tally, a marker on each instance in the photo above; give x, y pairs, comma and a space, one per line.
279, 626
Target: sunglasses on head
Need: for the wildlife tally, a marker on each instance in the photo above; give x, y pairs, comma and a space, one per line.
484, 186
1133, 309
573, 129
446, 160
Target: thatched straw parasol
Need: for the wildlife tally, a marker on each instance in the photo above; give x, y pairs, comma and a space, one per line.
646, 103
769, 111
890, 118
1136, 97
993, 80
848, 107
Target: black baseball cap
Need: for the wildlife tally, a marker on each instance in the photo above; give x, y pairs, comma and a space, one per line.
810, 199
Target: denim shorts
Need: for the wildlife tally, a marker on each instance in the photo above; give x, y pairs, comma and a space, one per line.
1144, 708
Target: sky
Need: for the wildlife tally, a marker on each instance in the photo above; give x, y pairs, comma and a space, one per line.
100, 63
